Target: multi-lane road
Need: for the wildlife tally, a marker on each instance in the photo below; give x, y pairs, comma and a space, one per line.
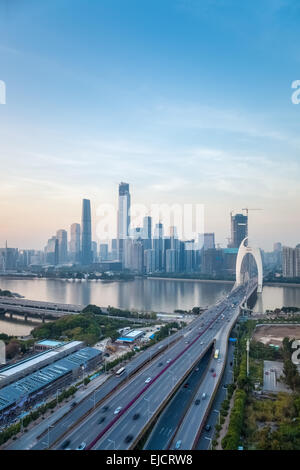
117, 414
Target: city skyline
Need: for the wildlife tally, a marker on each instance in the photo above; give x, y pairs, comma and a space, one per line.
121, 216
163, 96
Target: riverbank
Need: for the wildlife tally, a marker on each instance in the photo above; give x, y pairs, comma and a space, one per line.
218, 281
281, 284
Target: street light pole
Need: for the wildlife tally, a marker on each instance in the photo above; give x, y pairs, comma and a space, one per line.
247, 349
114, 443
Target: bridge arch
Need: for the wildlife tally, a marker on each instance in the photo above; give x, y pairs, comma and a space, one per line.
255, 252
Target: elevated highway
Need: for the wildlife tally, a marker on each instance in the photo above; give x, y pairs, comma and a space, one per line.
139, 400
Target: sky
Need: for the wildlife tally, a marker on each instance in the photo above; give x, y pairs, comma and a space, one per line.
188, 101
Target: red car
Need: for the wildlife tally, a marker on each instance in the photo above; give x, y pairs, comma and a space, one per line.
214, 374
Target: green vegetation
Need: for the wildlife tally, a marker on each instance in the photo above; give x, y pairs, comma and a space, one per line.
117, 312
263, 422
232, 438
6, 293
130, 313
15, 346
88, 327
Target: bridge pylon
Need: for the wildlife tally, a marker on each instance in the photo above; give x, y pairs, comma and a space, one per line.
255, 252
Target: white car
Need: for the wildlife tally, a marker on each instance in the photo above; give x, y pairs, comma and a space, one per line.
168, 361
178, 444
117, 410
148, 380
82, 446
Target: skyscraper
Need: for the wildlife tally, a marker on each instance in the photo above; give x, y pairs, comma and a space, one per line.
158, 246
288, 261
123, 218
206, 241
74, 247
62, 237
86, 235
95, 252
239, 229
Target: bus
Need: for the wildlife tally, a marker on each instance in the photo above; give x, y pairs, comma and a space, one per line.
216, 354
120, 371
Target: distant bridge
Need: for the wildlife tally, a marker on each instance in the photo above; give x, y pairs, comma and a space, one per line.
34, 308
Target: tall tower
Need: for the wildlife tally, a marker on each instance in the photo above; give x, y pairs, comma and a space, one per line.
158, 246
147, 232
75, 242
123, 218
86, 235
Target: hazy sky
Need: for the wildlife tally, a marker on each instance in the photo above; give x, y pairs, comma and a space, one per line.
189, 101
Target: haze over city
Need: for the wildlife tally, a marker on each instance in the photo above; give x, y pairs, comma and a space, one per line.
160, 94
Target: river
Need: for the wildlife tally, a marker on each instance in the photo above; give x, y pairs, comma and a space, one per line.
143, 294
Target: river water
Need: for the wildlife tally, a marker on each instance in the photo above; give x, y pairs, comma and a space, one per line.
143, 294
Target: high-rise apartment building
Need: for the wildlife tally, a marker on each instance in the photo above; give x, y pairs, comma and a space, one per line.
288, 262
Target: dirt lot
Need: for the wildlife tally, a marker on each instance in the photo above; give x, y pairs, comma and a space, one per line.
274, 334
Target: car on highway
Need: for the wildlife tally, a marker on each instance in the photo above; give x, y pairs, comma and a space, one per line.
214, 374
212, 369
117, 410
207, 428
128, 438
82, 446
105, 408
66, 444
197, 402
101, 420
168, 361
148, 380
203, 396
136, 416
160, 364
178, 444
74, 403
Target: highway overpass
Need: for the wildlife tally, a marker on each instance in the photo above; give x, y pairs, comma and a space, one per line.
139, 400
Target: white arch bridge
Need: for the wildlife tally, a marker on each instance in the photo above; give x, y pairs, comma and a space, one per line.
245, 250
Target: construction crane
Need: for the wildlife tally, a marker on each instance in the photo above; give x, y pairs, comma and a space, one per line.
247, 209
